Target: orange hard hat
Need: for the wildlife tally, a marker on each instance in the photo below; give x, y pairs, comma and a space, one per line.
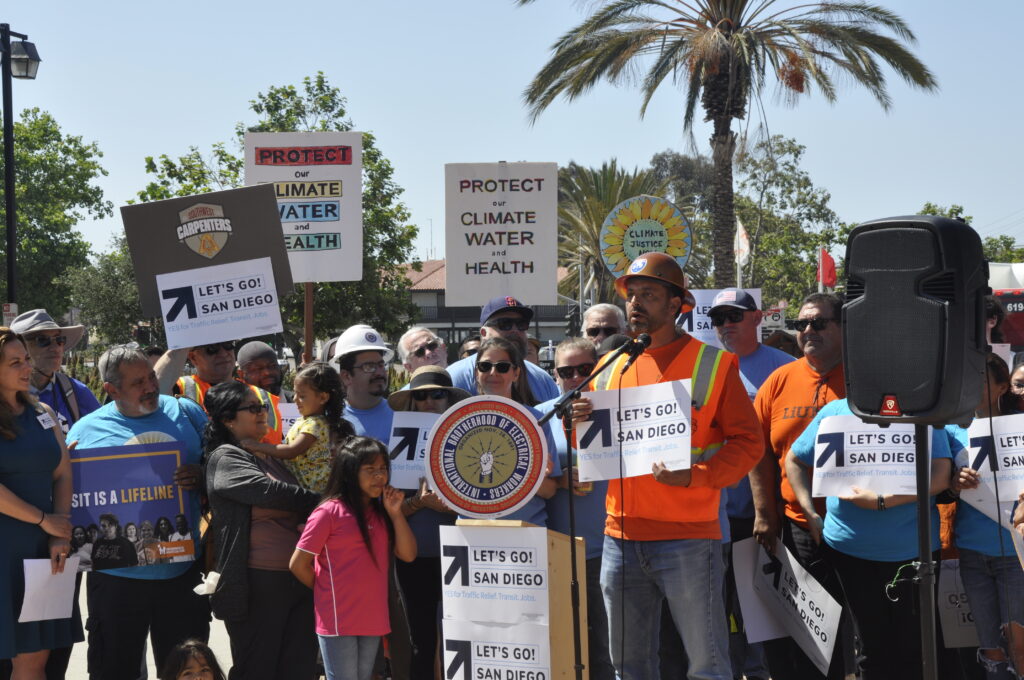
657, 266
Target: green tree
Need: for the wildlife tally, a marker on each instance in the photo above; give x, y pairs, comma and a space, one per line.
54, 190
954, 211
1002, 248
690, 186
381, 298
723, 52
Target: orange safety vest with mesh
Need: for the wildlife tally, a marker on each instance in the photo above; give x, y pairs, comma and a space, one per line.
194, 388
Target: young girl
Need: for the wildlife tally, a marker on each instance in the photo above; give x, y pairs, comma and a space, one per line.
191, 660
307, 448
343, 556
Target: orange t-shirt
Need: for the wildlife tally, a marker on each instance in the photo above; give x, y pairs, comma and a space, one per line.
786, 404
642, 509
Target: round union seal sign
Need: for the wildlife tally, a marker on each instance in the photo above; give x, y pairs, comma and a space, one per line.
487, 456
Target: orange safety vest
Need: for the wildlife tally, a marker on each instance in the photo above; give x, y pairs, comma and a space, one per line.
194, 388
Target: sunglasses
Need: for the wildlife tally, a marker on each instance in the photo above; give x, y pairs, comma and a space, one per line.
732, 316
423, 395
254, 409
817, 324
595, 331
499, 366
582, 370
421, 352
505, 325
212, 350
46, 340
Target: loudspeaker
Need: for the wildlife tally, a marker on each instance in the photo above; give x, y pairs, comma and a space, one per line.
914, 320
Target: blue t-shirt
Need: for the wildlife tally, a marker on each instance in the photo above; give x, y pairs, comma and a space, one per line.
973, 529
880, 536
463, 373
181, 419
54, 397
374, 422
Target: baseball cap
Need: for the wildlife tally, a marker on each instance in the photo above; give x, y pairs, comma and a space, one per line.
734, 297
500, 304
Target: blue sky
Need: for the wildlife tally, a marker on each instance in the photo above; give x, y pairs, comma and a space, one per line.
441, 82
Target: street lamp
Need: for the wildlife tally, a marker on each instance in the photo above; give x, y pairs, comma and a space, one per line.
19, 60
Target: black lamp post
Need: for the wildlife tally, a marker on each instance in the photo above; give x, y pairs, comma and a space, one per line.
20, 60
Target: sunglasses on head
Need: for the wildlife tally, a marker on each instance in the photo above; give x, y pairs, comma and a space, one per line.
506, 324
423, 395
582, 370
731, 315
212, 350
255, 409
46, 340
421, 352
595, 331
817, 324
499, 366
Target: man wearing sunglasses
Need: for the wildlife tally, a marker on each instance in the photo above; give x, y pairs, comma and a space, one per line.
362, 359
601, 321
786, 403
419, 346
507, 317
46, 342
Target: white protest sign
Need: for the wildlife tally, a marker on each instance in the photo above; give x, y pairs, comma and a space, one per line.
954, 610
289, 414
774, 320
849, 452
494, 575
760, 622
997, 453
983, 497
47, 595
317, 178
655, 426
410, 433
698, 322
218, 303
474, 651
501, 232
803, 606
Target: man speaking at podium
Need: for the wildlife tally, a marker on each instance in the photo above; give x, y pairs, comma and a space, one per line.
662, 534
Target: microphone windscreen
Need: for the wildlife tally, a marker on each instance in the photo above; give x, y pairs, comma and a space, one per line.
612, 343
644, 340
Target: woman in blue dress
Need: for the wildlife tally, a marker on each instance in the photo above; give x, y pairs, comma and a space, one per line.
35, 507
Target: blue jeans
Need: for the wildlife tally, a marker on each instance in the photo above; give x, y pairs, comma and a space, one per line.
349, 657
995, 591
636, 576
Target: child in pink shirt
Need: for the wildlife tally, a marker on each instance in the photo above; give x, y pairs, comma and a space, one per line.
343, 555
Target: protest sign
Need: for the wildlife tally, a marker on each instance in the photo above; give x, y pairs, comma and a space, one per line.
698, 322
192, 232
410, 434
654, 426
289, 414
493, 575
983, 497
501, 231
120, 487
760, 622
47, 595
222, 302
997, 453
317, 180
644, 224
801, 604
849, 452
954, 610
474, 651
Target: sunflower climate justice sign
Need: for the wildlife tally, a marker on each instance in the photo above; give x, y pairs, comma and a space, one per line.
644, 224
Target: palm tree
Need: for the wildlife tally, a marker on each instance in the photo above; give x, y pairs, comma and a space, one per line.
722, 52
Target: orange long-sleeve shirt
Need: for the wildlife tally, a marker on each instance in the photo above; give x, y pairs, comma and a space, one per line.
643, 509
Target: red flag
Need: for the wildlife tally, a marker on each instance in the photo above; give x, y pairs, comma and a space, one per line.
826, 269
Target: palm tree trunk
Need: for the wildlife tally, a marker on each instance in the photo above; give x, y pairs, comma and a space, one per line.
723, 219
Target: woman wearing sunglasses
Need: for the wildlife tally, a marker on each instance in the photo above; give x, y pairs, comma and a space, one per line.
430, 391
257, 509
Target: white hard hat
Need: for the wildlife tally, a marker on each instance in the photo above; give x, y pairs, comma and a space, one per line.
361, 338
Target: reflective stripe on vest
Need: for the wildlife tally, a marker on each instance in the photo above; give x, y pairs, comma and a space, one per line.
604, 380
702, 383
265, 398
190, 389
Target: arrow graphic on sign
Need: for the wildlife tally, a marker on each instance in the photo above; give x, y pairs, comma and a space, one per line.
460, 553
409, 436
462, 658
986, 449
600, 423
833, 442
184, 298
773, 567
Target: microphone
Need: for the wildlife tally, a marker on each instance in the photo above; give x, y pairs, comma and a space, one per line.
635, 349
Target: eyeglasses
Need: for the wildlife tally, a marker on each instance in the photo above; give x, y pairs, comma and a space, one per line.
373, 472
506, 324
595, 331
371, 366
732, 316
46, 340
212, 350
817, 324
254, 409
499, 366
582, 370
420, 352
423, 395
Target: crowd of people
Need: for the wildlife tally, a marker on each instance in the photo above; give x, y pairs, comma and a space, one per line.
308, 555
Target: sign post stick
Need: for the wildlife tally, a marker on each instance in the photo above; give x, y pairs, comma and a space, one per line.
307, 340
926, 571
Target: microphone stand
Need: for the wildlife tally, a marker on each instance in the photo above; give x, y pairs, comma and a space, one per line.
563, 409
